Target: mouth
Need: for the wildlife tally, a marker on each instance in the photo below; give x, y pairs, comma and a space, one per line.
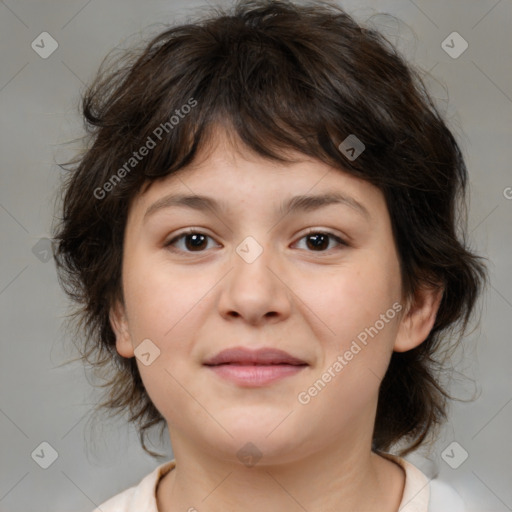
253, 368
261, 357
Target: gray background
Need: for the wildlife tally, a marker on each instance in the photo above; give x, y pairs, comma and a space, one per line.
41, 401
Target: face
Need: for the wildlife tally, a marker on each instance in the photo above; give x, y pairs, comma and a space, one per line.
320, 283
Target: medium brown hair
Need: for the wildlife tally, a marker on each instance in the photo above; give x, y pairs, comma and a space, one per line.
281, 76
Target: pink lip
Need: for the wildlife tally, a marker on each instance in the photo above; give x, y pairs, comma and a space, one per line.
255, 375
262, 356
254, 367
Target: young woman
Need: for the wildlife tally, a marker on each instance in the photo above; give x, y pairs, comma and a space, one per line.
262, 240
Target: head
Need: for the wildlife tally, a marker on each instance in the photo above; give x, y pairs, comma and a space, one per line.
252, 107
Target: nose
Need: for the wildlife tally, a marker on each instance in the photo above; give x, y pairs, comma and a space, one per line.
255, 289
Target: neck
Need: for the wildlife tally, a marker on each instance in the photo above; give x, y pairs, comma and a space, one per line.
344, 479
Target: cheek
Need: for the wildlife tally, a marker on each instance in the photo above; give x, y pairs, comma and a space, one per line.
160, 299
351, 298
358, 309
162, 306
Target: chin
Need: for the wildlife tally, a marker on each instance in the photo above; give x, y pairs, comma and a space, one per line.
256, 443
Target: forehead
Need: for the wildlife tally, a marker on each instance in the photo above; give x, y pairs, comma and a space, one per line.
226, 173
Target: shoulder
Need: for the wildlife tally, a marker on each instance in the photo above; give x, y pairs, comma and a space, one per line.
140, 496
119, 502
422, 494
444, 497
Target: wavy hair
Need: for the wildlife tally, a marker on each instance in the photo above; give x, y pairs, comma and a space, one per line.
280, 76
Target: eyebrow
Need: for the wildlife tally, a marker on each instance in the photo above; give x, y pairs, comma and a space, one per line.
305, 203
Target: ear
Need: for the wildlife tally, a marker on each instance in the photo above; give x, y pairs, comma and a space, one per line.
418, 318
119, 323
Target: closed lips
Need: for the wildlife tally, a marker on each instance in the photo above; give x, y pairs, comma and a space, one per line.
262, 357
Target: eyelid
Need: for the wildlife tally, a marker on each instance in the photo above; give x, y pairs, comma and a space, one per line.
332, 234
188, 231
341, 241
194, 231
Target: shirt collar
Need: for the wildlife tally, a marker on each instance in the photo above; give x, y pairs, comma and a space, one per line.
415, 497
416, 494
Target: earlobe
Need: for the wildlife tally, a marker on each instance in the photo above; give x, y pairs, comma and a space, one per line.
119, 325
419, 318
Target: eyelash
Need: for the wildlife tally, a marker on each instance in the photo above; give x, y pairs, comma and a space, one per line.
331, 235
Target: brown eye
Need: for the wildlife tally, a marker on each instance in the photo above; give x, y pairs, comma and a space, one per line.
195, 241
318, 241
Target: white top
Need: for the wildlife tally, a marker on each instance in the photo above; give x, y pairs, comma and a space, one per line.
420, 494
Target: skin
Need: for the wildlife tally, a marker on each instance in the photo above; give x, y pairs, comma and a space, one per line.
307, 301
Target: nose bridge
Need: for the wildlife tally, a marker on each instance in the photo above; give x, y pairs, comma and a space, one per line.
250, 250
252, 261
254, 290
